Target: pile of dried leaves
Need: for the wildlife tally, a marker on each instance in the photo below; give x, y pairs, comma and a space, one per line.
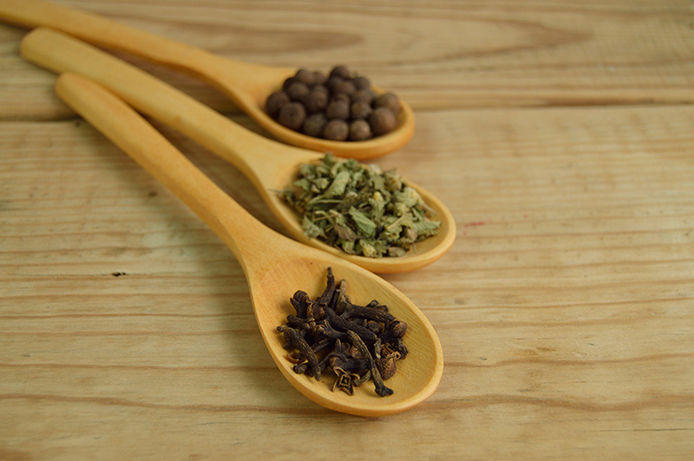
358, 208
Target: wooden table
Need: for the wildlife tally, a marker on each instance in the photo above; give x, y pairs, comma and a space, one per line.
560, 134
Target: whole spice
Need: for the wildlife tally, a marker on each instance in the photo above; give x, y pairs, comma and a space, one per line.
362, 95
336, 130
359, 208
305, 76
316, 100
297, 90
360, 110
275, 102
337, 109
361, 82
314, 124
341, 95
292, 115
389, 101
340, 71
381, 121
359, 130
331, 335
344, 86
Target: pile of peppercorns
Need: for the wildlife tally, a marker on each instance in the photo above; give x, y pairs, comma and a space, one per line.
339, 107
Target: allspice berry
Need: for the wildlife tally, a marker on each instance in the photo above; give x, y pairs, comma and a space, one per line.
360, 110
322, 88
314, 124
344, 86
319, 78
337, 110
363, 95
336, 130
341, 71
359, 130
305, 76
361, 83
340, 97
288, 82
388, 100
275, 102
382, 121
332, 81
316, 100
292, 115
297, 90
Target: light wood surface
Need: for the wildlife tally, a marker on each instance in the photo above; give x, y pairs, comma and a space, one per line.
558, 133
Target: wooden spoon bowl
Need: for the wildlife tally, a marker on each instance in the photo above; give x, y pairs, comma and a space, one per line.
247, 85
275, 266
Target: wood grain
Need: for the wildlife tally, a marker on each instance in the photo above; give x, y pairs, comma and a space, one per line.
437, 55
564, 308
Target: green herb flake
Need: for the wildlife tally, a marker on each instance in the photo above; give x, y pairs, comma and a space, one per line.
358, 208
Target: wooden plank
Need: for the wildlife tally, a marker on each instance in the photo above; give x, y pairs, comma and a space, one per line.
564, 308
437, 55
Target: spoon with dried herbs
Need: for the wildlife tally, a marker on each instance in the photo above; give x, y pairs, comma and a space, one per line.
247, 85
276, 267
387, 216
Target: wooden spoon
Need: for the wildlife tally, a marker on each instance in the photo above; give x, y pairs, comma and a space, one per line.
275, 266
246, 84
268, 164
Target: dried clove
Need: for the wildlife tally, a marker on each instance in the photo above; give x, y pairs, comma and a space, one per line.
330, 334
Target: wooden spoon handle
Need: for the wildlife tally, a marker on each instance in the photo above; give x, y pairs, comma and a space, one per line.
129, 131
249, 152
110, 34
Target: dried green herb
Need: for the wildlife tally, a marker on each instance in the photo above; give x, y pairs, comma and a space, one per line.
359, 208
355, 343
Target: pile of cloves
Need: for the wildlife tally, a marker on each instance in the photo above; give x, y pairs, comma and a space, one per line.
340, 106
352, 342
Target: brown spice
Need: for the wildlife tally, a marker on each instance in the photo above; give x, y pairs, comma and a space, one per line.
275, 102
292, 115
297, 90
360, 110
305, 76
341, 71
389, 101
359, 130
316, 100
382, 121
344, 86
363, 95
340, 95
361, 83
314, 124
337, 110
336, 130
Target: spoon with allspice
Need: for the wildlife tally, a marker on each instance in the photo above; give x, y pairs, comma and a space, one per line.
381, 127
